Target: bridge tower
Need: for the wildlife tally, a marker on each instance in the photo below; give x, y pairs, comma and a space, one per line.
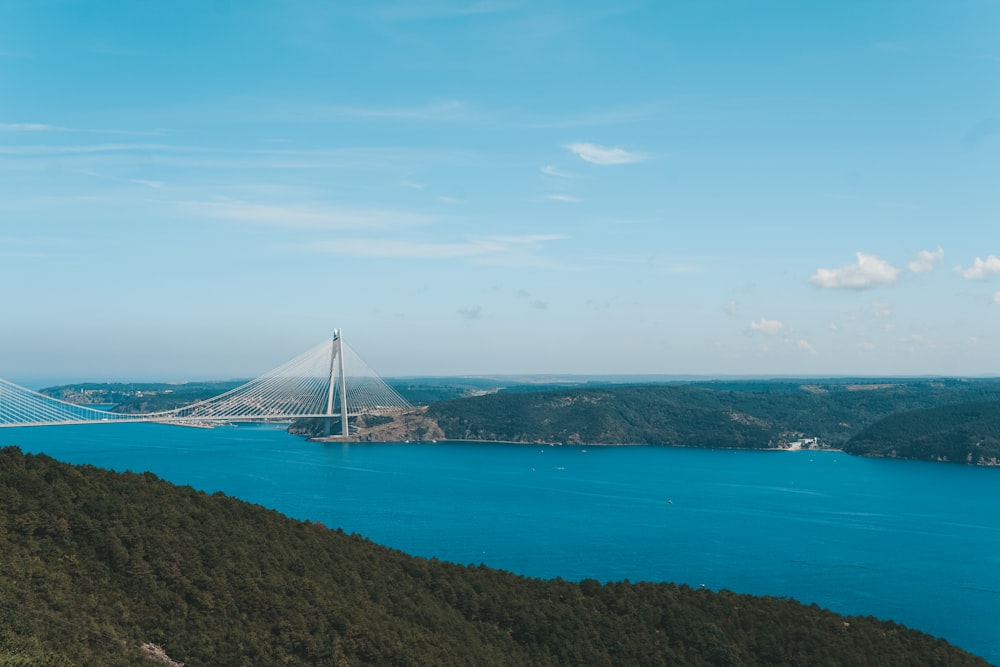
336, 377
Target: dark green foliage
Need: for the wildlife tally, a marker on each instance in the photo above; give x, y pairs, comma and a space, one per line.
744, 414
97, 563
653, 414
964, 433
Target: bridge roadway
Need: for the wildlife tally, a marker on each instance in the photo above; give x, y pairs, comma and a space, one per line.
326, 381
199, 422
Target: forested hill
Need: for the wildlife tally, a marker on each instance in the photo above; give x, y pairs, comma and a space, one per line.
964, 433
102, 568
750, 414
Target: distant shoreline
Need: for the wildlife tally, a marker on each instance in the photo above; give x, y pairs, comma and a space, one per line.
438, 441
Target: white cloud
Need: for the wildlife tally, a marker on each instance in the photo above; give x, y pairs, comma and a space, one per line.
996, 297
982, 268
81, 149
148, 183
868, 271
603, 155
805, 346
552, 170
767, 326
565, 198
926, 260
733, 307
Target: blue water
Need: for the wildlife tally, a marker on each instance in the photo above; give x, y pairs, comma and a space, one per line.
918, 543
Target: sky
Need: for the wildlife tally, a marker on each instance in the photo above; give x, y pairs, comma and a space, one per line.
196, 189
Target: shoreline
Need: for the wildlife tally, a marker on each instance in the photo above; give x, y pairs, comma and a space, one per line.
436, 441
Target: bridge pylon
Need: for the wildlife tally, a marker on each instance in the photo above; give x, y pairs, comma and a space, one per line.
336, 375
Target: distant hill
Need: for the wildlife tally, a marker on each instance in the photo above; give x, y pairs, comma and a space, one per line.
750, 414
730, 413
963, 433
138, 397
102, 568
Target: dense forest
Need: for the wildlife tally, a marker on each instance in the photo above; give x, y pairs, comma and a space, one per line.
743, 414
104, 568
963, 433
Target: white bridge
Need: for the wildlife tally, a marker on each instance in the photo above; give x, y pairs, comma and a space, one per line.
328, 381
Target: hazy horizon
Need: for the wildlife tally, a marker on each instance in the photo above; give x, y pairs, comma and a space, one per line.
38, 383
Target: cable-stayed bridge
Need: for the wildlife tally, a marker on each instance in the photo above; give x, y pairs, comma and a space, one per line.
328, 381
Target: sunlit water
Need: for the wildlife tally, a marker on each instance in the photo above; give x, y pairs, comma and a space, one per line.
918, 543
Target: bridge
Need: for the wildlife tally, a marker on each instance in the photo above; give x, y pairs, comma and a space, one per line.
328, 381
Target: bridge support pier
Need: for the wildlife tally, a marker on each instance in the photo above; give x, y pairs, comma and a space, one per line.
336, 373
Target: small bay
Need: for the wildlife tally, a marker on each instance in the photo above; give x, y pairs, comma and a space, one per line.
918, 543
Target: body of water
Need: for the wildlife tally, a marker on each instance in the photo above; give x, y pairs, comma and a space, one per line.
918, 543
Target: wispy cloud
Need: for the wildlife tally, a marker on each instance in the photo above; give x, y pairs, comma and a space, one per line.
916, 341
45, 127
448, 110
805, 346
27, 127
552, 170
565, 198
211, 157
982, 268
926, 260
881, 310
767, 326
996, 297
148, 183
868, 271
309, 217
491, 246
603, 155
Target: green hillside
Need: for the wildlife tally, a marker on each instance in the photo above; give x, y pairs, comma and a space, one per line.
964, 433
98, 564
738, 414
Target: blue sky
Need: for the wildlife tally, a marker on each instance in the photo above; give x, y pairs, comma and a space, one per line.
194, 189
